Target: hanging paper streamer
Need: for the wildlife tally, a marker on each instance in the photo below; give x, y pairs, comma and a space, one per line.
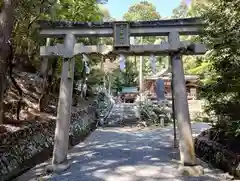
132, 40
188, 2
85, 60
87, 69
153, 63
122, 62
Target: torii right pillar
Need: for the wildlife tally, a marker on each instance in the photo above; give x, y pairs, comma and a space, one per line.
186, 144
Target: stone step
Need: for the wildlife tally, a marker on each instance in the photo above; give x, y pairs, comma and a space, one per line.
122, 122
122, 115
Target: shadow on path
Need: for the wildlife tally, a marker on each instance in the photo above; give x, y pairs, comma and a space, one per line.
125, 154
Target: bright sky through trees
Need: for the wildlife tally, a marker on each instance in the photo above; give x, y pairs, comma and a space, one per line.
118, 8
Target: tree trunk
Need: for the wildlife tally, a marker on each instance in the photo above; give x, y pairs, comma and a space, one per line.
20, 92
6, 26
109, 84
135, 62
45, 69
44, 89
3, 82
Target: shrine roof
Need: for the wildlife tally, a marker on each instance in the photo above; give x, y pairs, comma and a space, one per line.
168, 77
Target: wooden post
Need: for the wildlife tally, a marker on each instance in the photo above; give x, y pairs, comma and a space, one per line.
104, 81
104, 73
186, 145
64, 105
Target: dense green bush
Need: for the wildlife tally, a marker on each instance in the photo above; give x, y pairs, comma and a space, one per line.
222, 35
153, 113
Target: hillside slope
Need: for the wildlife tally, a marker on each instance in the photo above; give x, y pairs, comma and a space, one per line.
30, 85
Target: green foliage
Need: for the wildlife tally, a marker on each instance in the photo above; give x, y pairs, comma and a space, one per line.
181, 11
142, 11
25, 35
26, 38
80, 10
105, 14
130, 74
118, 82
153, 113
219, 68
222, 90
196, 65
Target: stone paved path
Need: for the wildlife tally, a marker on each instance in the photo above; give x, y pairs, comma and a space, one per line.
125, 154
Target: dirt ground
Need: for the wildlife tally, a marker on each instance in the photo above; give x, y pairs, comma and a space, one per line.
31, 87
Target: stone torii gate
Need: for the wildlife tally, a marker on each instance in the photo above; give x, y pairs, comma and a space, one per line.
121, 32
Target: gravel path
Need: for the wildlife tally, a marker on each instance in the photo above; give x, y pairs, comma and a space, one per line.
125, 154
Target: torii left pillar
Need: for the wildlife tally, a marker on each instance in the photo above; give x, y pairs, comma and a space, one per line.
59, 161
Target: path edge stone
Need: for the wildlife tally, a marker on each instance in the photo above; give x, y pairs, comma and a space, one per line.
217, 155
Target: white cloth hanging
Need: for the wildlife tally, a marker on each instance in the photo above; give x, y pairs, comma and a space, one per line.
152, 59
122, 62
87, 68
132, 40
85, 60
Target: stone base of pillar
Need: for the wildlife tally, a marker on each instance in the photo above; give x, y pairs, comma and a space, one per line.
195, 170
58, 168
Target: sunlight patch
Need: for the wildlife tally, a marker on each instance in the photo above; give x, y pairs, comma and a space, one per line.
148, 171
125, 169
154, 159
104, 162
68, 173
144, 147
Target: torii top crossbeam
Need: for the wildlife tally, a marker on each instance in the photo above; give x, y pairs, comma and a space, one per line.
187, 26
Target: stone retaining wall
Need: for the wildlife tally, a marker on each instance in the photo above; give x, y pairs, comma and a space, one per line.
33, 144
218, 156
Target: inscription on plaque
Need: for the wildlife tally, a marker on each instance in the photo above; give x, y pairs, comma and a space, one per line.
121, 35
